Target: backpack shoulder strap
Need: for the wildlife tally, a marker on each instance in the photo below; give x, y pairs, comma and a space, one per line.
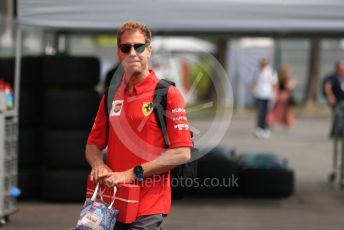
160, 103
112, 89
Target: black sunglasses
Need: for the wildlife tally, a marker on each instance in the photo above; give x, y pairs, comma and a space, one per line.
139, 48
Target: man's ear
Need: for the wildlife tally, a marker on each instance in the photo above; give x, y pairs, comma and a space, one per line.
118, 54
150, 51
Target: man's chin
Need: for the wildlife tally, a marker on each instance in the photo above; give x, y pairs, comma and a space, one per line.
131, 68
133, 72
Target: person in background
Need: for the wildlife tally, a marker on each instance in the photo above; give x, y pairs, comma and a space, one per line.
264, 87
281, 111
333, 89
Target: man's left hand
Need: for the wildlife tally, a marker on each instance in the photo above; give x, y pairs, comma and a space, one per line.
114, 178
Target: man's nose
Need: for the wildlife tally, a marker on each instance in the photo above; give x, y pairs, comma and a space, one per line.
132, 51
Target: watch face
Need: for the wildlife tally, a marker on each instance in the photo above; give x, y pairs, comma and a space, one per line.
138, 170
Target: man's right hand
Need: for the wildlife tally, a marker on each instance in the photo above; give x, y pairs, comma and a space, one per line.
99, 172
94, 157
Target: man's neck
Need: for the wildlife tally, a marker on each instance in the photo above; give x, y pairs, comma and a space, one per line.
132, 80
136, 78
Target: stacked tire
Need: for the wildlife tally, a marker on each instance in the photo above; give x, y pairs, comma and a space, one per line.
29, 126
252, 174
216, 173
265, 174
69, 106
7, 69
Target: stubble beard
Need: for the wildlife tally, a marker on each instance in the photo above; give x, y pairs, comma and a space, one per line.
136, 74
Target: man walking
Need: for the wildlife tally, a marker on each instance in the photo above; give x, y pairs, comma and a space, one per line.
136, 148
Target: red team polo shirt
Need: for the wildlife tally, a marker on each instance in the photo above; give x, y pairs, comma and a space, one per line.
133, 137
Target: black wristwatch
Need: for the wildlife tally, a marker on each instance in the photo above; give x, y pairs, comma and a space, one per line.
138, 170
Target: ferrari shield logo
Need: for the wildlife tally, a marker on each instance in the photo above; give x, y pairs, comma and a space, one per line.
147, 108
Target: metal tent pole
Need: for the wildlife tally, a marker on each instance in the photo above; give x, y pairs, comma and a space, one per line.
17, 70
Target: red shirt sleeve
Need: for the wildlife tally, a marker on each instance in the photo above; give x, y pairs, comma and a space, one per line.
100, 129
178, 129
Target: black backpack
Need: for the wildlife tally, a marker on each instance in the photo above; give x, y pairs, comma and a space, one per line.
182, 174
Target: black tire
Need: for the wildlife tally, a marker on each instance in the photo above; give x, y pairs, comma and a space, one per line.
266, 160
63, 71
28, 183
27, 149
64, 185
73, 109
29, 108
30, 74
64, 149
266, 182
7, 69
217, 154
217, 172
265, 174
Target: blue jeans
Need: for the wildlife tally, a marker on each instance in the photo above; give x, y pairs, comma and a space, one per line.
262, 112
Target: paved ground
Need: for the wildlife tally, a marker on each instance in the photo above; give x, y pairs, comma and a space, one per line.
315, 204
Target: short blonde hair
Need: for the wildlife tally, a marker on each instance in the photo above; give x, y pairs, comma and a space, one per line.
134, 26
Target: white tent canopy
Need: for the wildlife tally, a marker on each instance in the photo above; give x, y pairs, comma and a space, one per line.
189, 17
184, 17
182, 44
